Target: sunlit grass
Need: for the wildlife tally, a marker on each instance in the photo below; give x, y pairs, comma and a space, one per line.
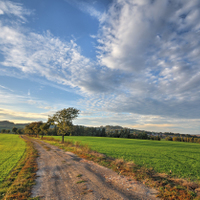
20, 178
175, 158
12, 149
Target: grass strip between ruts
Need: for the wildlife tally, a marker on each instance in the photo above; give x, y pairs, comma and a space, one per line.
168, 187
21, 179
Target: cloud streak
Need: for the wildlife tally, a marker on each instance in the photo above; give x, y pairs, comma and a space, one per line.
86, 7
15, 9
23, 116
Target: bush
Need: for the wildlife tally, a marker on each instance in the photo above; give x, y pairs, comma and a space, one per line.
168, 138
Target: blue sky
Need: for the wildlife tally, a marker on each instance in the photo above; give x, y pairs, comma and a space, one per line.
133, 63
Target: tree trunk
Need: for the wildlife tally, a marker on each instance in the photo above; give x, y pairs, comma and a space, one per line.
62, 138
42, 136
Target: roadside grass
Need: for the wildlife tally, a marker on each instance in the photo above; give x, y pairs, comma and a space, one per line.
12, 149
17, 185
169, 186
176, 159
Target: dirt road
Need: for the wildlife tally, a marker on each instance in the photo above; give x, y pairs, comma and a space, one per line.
62, 175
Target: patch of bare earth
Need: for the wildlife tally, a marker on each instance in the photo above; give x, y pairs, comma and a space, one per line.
63, 175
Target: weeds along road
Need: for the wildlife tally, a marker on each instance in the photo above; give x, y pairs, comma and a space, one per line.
62, 175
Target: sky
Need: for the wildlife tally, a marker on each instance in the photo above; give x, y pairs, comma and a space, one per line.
134, 63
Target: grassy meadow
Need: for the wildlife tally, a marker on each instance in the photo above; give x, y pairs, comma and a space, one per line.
12, 149
178, 158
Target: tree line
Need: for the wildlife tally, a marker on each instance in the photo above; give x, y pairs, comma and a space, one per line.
61, 124
183, 139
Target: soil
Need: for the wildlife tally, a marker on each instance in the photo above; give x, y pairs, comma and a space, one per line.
63, 175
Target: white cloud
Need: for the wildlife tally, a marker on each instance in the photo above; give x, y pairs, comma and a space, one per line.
86, 7
155, 44
22, 116
8, 97
12, 8
44, 55
158, 37
90, 9
6, 88
48, 56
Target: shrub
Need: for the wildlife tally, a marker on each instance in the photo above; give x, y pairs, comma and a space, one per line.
168, 138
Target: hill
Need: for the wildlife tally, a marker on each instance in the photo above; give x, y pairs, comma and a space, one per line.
10, 125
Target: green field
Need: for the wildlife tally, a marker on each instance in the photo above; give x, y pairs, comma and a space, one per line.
11, 150
183, 159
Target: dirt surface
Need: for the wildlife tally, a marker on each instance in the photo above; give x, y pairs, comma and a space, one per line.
62, 175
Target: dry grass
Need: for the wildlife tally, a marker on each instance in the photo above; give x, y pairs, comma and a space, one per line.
190, 185
50, 139
119, 163
69, 142
129, 166
99, 155
85, 148
77, 144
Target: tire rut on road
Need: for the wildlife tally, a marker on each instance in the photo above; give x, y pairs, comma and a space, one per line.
62, 175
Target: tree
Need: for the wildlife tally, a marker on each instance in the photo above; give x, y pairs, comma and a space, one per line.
176, 139
142, 135
121, 133
33, 128
8, 131
19, 131
103, 132
63, 120
168, 138
44, 128
36, 127
29, 129
3, 130
14, 130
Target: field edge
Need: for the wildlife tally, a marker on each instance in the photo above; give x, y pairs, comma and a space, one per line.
18, 183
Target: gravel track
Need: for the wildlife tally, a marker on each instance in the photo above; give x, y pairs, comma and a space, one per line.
62, 175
